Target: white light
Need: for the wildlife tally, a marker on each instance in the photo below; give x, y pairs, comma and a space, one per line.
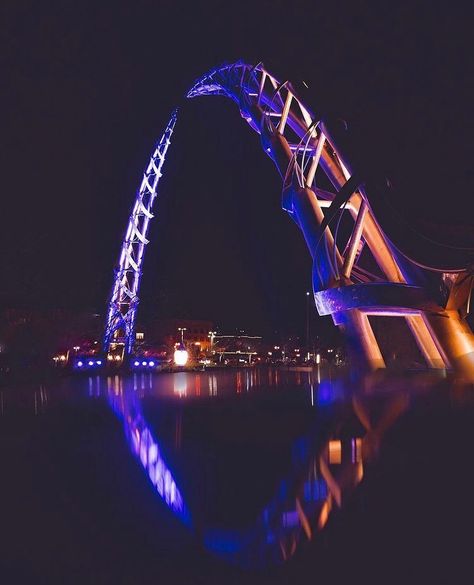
180, 357
318, 358
143, 363
151, 364
136, 363
99, 362
80, 364
91, 363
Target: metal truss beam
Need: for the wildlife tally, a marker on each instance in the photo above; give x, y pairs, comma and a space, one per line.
123, 303
304, 150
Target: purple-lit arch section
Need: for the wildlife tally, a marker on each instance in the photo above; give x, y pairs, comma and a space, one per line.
124, 299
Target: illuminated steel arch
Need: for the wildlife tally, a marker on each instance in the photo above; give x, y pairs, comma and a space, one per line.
124, 299
308, 159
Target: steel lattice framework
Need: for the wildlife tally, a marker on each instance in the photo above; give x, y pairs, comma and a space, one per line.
319, 185
124, 299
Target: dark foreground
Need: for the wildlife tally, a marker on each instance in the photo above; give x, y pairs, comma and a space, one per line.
77, 507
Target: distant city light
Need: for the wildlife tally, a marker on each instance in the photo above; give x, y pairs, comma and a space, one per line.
99, 362
136, 363
80, 364
318, 358
151, 364
91, 363
143, 363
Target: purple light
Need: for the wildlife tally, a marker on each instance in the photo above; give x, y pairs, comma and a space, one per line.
124, 297
79, 364
146, 449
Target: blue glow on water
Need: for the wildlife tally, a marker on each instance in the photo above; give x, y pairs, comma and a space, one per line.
222, 542
327, 393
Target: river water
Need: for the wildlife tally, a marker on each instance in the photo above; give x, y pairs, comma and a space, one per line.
256, 475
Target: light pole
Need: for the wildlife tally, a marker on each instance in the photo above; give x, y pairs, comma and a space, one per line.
182, 329
211, 335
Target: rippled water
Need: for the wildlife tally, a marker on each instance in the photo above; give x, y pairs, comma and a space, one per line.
237, 475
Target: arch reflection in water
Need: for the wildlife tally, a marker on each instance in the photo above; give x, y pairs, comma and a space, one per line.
327, 467
126, 404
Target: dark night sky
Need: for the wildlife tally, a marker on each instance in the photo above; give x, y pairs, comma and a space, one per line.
87, 88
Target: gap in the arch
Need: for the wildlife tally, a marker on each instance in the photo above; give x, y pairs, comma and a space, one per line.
221, 247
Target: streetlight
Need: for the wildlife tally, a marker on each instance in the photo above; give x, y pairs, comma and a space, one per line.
211, 335
182, 329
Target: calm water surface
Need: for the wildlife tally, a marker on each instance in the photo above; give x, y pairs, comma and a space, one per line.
237, 476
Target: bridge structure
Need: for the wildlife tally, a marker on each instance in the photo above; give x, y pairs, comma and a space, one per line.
356, 277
